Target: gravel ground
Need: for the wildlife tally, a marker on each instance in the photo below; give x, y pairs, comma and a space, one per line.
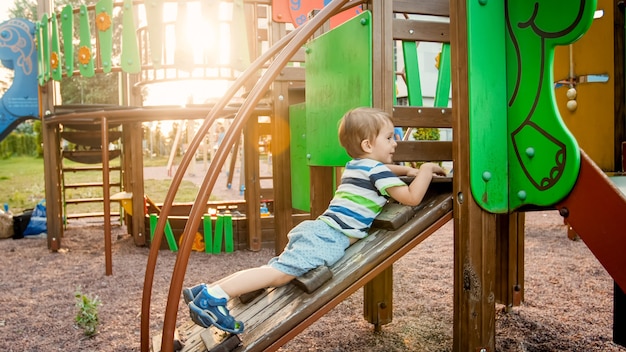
568, 297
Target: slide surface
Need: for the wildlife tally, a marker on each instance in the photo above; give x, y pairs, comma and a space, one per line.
279, 314
596, 210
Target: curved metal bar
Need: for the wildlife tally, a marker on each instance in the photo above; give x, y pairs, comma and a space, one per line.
206, 188
176, 181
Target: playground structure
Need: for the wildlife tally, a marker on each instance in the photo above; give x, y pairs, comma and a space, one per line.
494, 178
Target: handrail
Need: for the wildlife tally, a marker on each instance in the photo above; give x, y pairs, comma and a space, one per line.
300, 37
178, 177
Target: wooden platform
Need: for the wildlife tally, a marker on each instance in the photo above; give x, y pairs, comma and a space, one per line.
279, 314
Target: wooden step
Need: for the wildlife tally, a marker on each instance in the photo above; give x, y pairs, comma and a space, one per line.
84, 200
89, 168
90, 215
89, 138
90, 184
89, 156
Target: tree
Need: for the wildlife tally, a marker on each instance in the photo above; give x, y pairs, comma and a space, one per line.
24, 9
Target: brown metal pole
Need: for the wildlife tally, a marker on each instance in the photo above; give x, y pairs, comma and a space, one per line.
233, 132
106, 196
176, 181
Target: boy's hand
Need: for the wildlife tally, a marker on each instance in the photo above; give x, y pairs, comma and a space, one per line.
432, 168
412, 172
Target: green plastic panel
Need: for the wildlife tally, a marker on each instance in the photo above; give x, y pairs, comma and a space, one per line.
154, 16
56, 66
338, 78
130, 49
218, 239
544, 158
208, 233
104, 27
45, 35
442, 95
210, 12
85, 54
300, 174
411, 68
521, 153
40, 49
67, 29
487, 105
182, 57
239, 53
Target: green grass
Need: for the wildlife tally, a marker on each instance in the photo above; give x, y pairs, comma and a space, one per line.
22, 185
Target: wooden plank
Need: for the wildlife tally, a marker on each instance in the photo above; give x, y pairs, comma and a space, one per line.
299, 56
89, 168
98, 214
378, 302
84, 200
619, 89
291, 74
510, 258
252, 184
423, 151
423, 117
421, 31
280, 312
281, 165
133, 179
52, 165
474, 229
430, 7
322, 189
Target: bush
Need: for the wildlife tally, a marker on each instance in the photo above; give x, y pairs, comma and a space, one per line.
87, 315
21, 142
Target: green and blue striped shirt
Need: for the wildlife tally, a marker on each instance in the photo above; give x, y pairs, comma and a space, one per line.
360, 197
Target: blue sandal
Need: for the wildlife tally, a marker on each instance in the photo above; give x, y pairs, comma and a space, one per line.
206, 310
189, 293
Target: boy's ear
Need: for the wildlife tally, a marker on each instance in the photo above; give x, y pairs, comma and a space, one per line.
366, 146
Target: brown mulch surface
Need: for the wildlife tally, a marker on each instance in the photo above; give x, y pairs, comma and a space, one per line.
568, 295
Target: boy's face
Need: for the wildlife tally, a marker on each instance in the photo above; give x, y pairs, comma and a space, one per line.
382, 147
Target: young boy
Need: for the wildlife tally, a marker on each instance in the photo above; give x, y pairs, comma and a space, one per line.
368, 180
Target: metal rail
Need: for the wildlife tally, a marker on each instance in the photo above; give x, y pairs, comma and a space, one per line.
299, 38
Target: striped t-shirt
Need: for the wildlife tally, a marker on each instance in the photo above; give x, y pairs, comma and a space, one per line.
360, 197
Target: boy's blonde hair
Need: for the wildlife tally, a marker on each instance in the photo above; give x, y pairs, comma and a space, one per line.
358, 125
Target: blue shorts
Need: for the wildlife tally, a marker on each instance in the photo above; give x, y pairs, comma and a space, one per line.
312, 243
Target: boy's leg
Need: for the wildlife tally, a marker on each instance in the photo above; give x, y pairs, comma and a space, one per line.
209, 306
252, 279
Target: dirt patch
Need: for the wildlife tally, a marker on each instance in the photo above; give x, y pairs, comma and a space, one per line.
568, 300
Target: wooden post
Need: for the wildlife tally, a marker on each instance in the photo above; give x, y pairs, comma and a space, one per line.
51, 152
252, 182
106, 190
132, 135
378, 299
322, 189
378, 293
52, 167
281, 166
474, 229
619, 84
510, 259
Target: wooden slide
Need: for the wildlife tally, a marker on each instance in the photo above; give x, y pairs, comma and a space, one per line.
278, 314
596, 210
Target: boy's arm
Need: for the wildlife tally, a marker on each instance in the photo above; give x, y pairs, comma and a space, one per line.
414, 193
401, 170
